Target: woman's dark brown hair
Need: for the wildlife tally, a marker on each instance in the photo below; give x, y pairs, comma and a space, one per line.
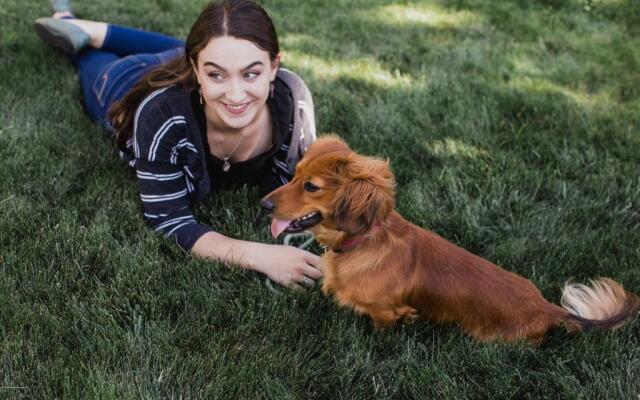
242, 19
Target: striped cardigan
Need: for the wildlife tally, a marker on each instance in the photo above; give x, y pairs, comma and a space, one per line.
169, 156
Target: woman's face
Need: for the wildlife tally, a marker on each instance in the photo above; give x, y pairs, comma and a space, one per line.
234, 76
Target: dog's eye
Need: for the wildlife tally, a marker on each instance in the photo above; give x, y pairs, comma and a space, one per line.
310, 187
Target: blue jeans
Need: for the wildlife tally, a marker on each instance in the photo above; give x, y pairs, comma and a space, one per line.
108, 73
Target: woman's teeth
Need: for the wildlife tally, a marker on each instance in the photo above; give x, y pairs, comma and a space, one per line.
236, 109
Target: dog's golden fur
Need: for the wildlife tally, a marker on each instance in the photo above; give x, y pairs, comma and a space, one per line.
381, 265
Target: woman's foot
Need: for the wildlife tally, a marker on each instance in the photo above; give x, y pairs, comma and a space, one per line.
66, 32
62, 9
62, 33
97, 31
60, 6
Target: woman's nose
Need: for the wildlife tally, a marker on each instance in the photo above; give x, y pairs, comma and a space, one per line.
236, 92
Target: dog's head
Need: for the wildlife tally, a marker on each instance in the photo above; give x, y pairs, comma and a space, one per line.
334, 190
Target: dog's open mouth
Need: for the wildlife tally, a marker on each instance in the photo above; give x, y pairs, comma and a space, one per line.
297, 225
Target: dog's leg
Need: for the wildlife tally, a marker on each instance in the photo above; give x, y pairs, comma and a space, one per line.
384, 317
409, 314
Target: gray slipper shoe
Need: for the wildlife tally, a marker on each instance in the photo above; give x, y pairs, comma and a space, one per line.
61, 5
64, 35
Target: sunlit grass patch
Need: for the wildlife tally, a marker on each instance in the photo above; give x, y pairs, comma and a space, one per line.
582, 97
453, 148
428, 14
366, 70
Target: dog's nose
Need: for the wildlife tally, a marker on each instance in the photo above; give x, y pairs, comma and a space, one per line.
267, 205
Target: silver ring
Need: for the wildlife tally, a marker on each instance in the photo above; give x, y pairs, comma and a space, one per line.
307, 281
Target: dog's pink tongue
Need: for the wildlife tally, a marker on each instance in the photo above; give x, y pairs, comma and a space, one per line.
278, 226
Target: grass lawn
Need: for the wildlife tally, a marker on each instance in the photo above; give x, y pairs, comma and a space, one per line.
513, 128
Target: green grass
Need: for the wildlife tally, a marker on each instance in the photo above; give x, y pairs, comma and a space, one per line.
513, 128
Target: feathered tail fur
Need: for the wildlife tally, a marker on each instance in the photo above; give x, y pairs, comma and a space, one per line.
602, 305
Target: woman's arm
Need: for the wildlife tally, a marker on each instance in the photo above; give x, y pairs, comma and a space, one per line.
285, 265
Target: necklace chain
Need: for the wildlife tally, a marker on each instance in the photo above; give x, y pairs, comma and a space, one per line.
226, 165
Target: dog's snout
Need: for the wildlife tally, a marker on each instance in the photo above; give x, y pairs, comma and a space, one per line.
267, 205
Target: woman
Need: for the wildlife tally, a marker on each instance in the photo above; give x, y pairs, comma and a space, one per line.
193, 118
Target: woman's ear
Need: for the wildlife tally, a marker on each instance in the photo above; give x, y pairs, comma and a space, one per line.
275, 64
365, 196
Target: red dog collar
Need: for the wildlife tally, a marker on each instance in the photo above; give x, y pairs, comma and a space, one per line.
355, 241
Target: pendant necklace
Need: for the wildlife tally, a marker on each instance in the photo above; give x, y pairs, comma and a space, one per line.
226, 165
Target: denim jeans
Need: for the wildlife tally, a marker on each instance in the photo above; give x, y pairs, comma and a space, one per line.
108, 73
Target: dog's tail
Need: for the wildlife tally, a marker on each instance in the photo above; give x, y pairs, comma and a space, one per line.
603, 305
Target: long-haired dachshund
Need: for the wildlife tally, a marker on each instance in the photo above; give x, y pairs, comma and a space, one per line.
381, 265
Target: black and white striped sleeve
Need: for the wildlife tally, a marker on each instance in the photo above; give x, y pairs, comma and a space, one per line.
164, 187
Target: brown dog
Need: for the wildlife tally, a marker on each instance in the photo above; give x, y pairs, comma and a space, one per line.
381, 265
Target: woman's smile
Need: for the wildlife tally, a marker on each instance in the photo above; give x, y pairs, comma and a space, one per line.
236, 109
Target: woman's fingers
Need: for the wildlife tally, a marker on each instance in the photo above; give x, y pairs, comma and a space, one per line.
313, 259
308, 282
312, 272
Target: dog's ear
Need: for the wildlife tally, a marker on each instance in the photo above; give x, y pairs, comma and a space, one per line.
365, 195
324, 145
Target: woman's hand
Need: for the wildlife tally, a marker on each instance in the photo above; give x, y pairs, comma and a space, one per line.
286, 265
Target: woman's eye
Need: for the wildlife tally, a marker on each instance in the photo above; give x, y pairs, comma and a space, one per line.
251, 75
216, 76
310, 187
